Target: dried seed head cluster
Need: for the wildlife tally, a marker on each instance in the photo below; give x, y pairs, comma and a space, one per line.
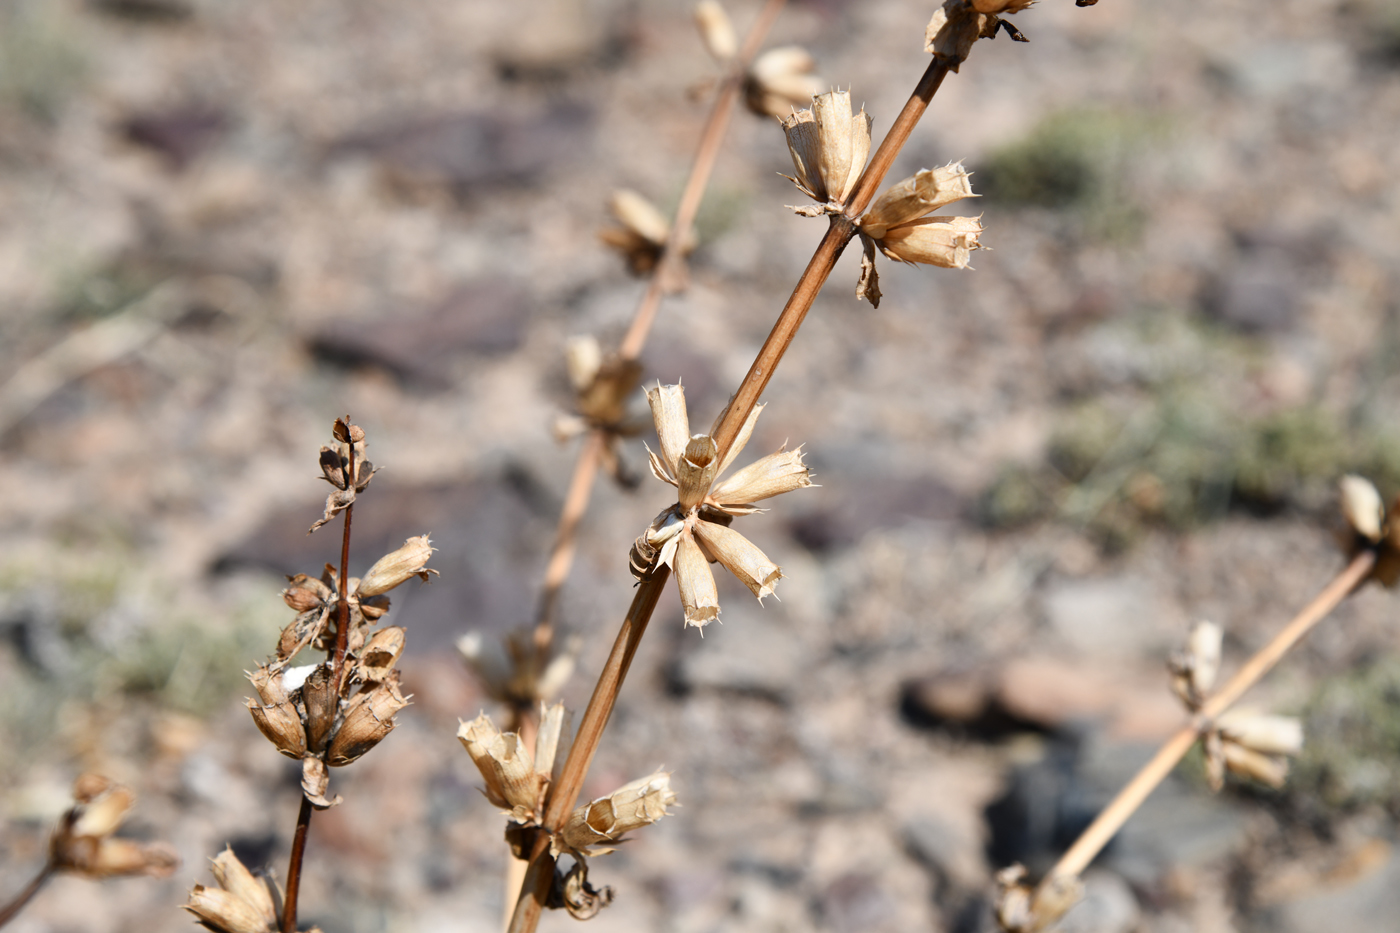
242, 903
899, 223
694, 532
829, 146
517, 673
518, 782
781, 79
1021, 908
957, 24
1372, 527
642, 237
82, 843
1246, 743
602, 385
329, 714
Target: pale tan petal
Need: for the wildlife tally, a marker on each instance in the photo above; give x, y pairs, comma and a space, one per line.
740, 439
699, 597
639, 215
659, 469
774, 475
833, 113
104, 812
410, 560
1362, 506
1266, 769
696, 470
936, 241
741, 557
1268, 734
716, 31
237, 880
804, 145
920, 194
552, 725
672, 422
583, 357
860, 151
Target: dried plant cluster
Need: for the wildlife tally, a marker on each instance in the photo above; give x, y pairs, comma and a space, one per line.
330, 711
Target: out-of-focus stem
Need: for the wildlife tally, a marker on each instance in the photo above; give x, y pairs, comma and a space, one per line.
289, 903
561, 555
1107, 824
10, 910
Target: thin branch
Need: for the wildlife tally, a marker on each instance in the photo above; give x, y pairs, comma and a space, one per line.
289, 904
1089, 844
10, 910
342, 629
561, 554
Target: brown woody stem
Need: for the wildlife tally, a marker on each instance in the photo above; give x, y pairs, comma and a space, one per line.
289, 903
12, 909
342, 629
1107, 824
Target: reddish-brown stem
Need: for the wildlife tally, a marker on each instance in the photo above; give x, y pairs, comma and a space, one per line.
705, 155
289, 904
10, 910
590, 729
342, 629
1108, 822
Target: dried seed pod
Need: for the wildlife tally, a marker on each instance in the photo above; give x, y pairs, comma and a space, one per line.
921, 194
716, 31
632, 806
1246, 762
936, 241
829, 147
505, 765
583, 357
369, 717
377, 659
1363, 508
277, 716
955, 26
305, 593
241, 904
1261, 732
410, 560
321, 701
696, 470
699, 597
740, 557
780, 80
1194, 669
672, 427
770, 476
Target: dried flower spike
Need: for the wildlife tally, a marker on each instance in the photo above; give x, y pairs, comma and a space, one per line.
781, 79
82, 842
898, 224
829, 147
694, 532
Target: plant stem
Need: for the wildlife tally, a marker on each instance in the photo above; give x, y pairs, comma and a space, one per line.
590, 729
705, 155
561, 555
289, 903
10, 910
342, 628
1092, 841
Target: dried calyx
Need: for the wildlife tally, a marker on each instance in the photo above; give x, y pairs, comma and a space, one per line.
641, 237
337, 469
83, 844
780, 80
602, 385
694, 532
1021, 908
1371, 527
901, 224
957, 24
829, 146
242, 902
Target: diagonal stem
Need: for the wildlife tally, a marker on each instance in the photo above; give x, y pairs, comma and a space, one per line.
12, 909
1108, 822
289, 903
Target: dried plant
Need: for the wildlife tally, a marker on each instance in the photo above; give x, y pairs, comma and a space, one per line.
83, 843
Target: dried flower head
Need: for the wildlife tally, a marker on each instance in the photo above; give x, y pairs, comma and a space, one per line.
344, 467
780, 80
716, 30
957, 24
82, 842
694, 532
242, 903
602, 384
607, 819
1253, 745
898, 223
1021, 908
1370, 527
642, 237
829, 146
515, 780
1193, 669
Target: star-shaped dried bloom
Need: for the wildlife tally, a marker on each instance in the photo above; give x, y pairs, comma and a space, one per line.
781, 79
829, 146
516, 781
694, 532
83, 844
899, 224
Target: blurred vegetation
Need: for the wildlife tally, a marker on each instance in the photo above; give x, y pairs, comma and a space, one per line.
84, 634
1075, 163
1351, 759
41, 59
1183, 452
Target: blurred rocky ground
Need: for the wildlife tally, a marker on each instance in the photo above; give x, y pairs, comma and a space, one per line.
224, 224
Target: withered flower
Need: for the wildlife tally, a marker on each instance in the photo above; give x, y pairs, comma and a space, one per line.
1193, 669
694, 532
602, 384
82, 843
1021, 908
957, 24
336, 469
829, 147
781, 79
898, 223
1253, 745
642, 236
242, 903
515, 780
1371, 527
607, 819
